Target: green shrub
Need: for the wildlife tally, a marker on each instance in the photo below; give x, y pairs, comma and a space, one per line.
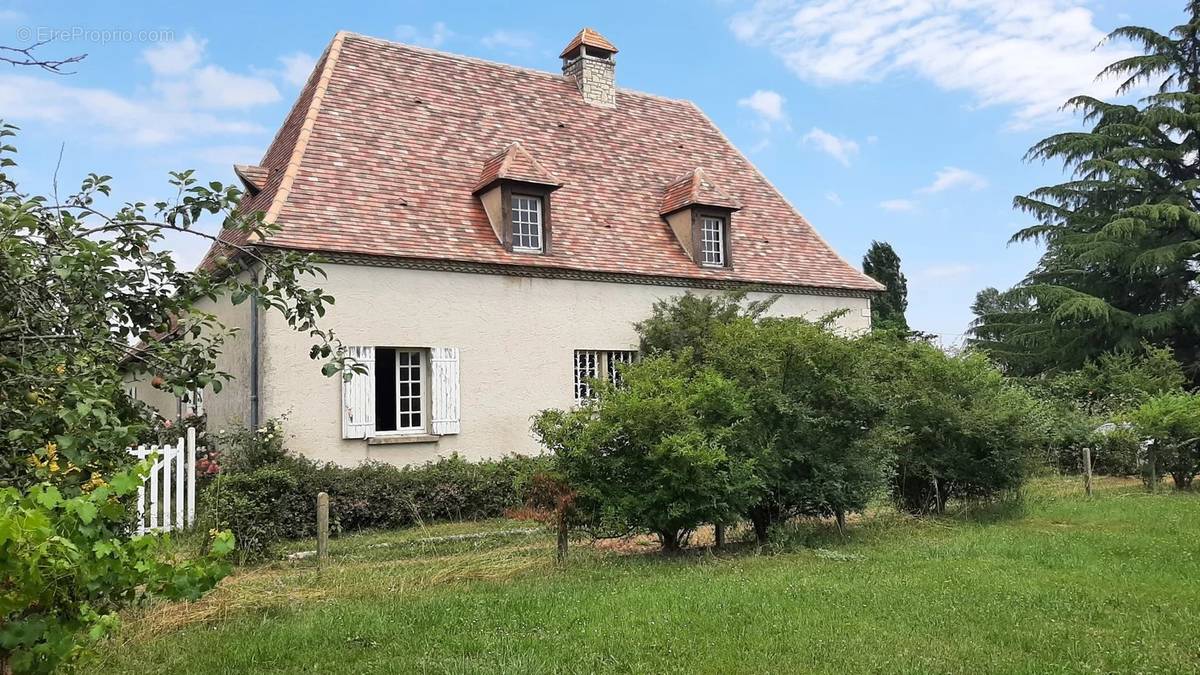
1117, 453
277, 501
654, 454
963, 431
1171, 422
814, 426
68, 565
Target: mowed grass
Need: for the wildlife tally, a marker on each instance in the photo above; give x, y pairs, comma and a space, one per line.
1060, 584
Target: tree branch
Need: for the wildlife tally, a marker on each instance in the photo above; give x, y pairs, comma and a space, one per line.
23, 56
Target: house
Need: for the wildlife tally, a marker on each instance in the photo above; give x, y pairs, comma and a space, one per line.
492, 234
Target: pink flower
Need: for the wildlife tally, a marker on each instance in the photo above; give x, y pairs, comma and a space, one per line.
166, 424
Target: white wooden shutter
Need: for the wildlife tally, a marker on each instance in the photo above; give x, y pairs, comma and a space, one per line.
444, 390
358, 397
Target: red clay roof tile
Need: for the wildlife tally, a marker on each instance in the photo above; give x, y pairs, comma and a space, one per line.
588, 37
695, 189
514, 163
395, 136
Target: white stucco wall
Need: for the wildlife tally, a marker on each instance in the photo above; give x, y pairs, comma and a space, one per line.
517, 338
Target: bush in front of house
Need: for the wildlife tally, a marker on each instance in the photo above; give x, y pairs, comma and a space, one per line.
655, 454
269, 502
815, 419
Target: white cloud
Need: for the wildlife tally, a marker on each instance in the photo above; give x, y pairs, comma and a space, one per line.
945, 272
834, 198
434, 37
124, 119
297, 67
841, 149
175, 58
176, 106
184, 83
1031, 55
953, 177
507, 40
898, 205
768, 105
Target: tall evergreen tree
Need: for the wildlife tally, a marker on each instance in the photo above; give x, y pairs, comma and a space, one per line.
1123, 235
883, 265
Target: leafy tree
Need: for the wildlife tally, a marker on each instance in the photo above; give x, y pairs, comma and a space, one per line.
883, 265
654, 454
81, 292
1172, 423
687, 322
1123, 235
1119, 381
814, 418
961, 429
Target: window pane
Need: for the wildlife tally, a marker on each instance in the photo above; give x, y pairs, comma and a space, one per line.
527, 222
408, 390
585, 370
712, 241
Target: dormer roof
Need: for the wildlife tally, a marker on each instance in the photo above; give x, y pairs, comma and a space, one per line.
694, 188
253, 177
516, 164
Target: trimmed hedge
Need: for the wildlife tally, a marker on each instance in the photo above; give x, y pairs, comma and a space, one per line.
278, 501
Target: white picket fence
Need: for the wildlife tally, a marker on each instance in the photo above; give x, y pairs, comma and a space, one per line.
167, 497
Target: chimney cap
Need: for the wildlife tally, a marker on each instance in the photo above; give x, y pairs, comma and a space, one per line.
590, 38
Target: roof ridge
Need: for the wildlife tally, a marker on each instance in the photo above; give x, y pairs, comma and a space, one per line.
310, 116
475, 59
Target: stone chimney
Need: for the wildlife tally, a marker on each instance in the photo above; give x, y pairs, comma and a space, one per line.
588, 59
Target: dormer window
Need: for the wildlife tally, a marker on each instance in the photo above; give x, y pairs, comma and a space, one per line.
701, 217
526, 223
712, 241
515, 190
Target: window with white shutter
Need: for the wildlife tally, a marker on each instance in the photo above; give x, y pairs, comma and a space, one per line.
358, 396
444, 390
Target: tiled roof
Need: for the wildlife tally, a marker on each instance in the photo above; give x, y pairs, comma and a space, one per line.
255, 177
384, 147
514, 163
588, 37
695, 189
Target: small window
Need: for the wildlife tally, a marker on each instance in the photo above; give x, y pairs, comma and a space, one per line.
589, 364
526, 223
586, 370
712, 241
399, 390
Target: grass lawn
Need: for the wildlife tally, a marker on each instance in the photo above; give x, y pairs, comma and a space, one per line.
1062, 584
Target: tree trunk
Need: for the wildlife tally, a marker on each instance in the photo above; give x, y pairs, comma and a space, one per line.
839, 517
670, 542
762, 527
719, 535
561, 554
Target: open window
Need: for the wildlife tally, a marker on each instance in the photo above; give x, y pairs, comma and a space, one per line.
406, 391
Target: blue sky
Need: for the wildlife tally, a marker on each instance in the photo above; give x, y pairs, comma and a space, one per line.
898, 120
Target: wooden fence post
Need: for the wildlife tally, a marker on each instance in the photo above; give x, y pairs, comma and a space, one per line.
1087, 471
322, 527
